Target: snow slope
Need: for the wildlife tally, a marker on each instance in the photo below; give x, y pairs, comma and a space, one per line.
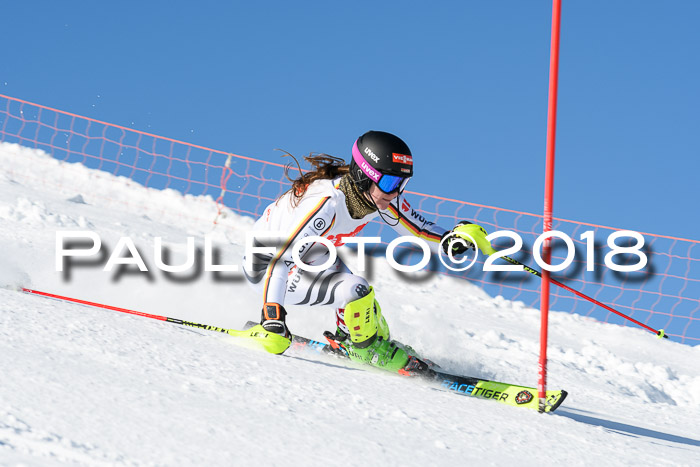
81, 385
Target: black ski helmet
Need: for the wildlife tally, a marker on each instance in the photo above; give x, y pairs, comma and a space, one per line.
377, 153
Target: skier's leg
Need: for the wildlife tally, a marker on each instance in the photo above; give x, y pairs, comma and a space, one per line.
333, 287
362, 329
368, 340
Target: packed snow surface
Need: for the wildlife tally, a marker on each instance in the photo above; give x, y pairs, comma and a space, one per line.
83, 385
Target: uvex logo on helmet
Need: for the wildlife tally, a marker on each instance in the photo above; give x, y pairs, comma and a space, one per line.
402, 159
369, 170
372, 155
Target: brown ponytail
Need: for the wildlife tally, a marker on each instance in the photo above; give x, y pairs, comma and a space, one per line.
325, 167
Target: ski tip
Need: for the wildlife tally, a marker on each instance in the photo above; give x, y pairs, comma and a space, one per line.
559, 401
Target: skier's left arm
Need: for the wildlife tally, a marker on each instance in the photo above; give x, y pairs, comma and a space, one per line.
412, 222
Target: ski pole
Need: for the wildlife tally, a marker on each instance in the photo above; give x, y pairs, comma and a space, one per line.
269, 341
537, 273
131, 312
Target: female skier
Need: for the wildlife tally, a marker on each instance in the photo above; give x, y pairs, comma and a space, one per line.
335, 201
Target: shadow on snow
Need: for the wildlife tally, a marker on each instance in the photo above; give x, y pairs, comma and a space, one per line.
624, 429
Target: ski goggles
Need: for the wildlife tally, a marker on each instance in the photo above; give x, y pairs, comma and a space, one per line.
387, 183
391, 183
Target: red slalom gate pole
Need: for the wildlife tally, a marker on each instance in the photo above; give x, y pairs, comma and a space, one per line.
548, 200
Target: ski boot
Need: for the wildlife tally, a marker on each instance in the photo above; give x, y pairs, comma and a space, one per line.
272, 332
273, 319
368, 340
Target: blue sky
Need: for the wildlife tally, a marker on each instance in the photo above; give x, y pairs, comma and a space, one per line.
463, 83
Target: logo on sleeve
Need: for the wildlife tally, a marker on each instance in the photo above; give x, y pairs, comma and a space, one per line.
405, 207
338, 239
319, 224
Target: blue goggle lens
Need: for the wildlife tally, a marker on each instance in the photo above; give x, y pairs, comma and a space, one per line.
392, 183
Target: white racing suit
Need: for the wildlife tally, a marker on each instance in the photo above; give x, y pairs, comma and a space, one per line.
322, 211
